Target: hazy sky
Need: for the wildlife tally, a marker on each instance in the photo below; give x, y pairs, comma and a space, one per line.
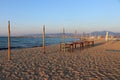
28, 16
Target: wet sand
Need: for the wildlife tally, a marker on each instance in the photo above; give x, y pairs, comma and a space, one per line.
101, 62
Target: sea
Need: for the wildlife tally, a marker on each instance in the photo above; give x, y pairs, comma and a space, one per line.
20, 42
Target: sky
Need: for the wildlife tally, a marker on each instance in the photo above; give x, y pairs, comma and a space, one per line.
29, 16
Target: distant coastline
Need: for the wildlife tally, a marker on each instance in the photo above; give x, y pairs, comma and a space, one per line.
67, 35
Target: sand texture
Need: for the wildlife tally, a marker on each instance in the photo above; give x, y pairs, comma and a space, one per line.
101, 62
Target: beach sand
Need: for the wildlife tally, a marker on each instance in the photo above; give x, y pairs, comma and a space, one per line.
101, 62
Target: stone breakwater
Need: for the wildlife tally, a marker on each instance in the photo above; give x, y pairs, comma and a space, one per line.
101, 62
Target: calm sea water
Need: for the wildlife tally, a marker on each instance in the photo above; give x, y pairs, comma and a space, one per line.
29, 42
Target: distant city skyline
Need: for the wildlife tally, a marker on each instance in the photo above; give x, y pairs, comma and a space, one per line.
29, 16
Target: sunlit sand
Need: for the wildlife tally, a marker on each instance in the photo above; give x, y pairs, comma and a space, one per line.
101, 62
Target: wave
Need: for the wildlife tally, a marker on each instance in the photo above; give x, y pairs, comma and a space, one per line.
20, 47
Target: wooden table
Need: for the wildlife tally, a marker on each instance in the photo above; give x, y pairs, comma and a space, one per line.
92, 43
65, 46
78, 42
88, 43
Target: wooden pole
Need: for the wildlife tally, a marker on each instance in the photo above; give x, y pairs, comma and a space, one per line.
83, 36
106, 37
43, 37
90, 36
63, 36
75, 36
9, 50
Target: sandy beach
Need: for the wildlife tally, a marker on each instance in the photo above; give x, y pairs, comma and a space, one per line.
101, 62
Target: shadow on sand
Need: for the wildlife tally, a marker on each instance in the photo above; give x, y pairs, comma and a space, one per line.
98, 44
113, 50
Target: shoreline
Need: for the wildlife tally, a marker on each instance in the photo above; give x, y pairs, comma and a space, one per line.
15, 48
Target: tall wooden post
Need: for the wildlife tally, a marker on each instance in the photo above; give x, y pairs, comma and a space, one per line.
106, 37
63, 36
83, 36
75, 36
9, 50
89, 36
43, 38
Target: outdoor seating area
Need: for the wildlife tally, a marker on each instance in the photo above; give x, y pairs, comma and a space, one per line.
71, 46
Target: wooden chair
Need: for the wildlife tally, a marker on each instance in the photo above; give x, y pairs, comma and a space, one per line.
66, 47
